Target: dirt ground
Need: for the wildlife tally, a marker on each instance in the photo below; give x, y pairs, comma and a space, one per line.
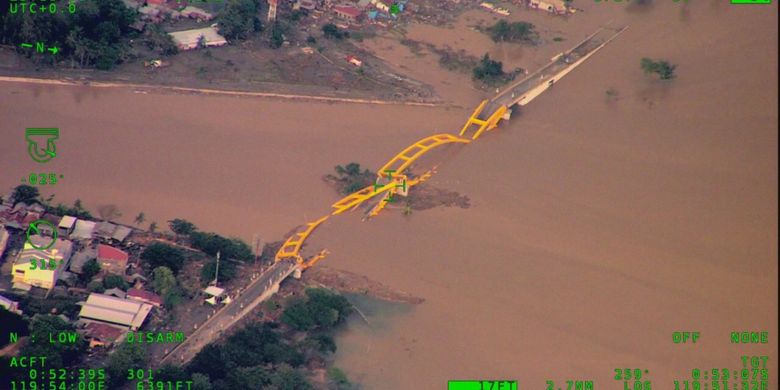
346, 281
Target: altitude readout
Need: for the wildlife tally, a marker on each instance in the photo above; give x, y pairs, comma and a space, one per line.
482, 385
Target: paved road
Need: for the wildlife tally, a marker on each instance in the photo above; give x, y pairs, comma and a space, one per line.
251, 296
513, 93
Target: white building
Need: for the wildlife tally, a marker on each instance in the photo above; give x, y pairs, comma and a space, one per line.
189, 39
66, 226
114, 311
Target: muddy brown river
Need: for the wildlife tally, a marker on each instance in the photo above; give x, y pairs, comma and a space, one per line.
596, 229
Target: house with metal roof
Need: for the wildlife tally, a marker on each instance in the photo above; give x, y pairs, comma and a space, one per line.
80, 258
189, 39
10, 305
66, 225
145, 296
83, 230
114, 311
348, 12
121, 233
105, 230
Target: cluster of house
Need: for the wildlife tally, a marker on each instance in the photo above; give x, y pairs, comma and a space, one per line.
375, 11
558, 7
157, 11
104, 317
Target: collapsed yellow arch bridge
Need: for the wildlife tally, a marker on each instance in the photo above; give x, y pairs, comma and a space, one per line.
392, 178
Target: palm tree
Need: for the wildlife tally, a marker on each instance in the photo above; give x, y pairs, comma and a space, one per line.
140, 218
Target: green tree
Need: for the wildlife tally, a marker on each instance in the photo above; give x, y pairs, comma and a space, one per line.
230, 248
227, 271
200, 382
51, 305
157, 39
182, 226
89, 270
61, 210
256, 377
79, 45
320, 309
288, 378
488, 71
662, 68
159, 254
209, 361
115, 281
172, 297
277, 36
351, 178
153, 227
96, 286
163, 280
237, 19
512, 32
57, 354
25, 194
12, 323
127, 356
298, 315
322, 343
170, 373
338, 379
332, 31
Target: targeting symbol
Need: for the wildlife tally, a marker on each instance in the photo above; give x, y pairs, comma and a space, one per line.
35, 150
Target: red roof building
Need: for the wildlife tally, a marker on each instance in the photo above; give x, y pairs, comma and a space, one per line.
144, 296
101, 334
172, 4
347, 12
112, 259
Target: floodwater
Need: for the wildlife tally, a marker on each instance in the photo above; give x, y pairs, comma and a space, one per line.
596, 228
239, 166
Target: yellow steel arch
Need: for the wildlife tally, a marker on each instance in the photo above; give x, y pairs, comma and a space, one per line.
392, 192
313, 260
487, 124
474, 117
491, 122
354, 199
292, 246
402, 160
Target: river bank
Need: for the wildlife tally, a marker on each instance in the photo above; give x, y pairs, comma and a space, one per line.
146, 88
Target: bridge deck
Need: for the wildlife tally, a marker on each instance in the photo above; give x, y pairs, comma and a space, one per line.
519, 92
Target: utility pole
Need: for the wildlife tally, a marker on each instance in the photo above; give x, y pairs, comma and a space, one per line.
272, 10
216, 272
257, 246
